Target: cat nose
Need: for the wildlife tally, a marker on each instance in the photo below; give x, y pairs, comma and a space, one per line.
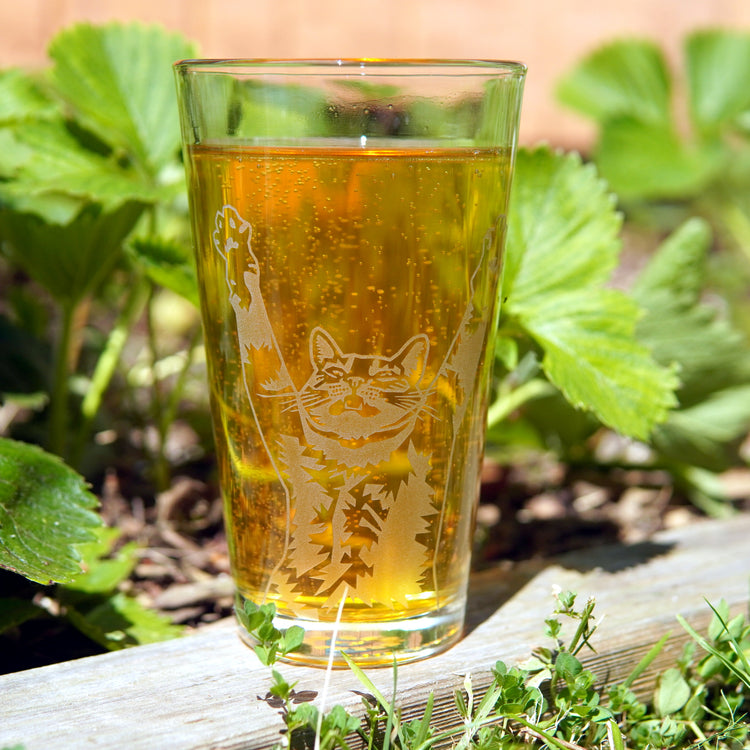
354, 383
353, 401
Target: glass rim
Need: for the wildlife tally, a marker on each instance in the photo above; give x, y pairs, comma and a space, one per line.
407, 67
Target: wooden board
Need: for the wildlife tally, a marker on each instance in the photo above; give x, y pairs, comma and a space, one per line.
202, 691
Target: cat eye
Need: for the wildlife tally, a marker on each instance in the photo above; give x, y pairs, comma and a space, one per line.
335, 371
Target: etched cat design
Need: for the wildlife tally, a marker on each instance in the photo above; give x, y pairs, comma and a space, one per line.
358, 408
343, 447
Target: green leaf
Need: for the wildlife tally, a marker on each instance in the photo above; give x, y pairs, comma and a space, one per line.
743, 674
14, 611
644, 160
118, 80
625, 87
13, 154
562, 246
646, 661
506, 352
54, 208
563, 229
625, 78
369, 685
567, 666
168, 264
45, 511
592, 356
711, 355
614, 736
44, 157
705, 489
713, 358
718, 69
103, 572
561, 427
22, 98
678, 266
672, 692
718, 625
68, 260
702, 435
119, 621
292, 639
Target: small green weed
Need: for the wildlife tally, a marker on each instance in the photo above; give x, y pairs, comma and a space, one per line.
549, 701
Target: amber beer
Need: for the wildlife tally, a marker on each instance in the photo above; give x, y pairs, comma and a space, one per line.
349, 295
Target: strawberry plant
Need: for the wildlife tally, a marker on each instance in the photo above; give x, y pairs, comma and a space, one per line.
90, 199
90, 211
670, 162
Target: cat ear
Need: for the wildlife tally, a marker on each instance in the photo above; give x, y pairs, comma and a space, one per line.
412, 356
322, 346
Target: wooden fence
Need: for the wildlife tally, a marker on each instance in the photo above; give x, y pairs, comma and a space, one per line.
548, 35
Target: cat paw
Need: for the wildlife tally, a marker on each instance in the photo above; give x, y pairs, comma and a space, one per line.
231, 233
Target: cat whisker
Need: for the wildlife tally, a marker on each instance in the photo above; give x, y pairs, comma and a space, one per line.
288, 400
405, 402
426, 409
411, 404
321, 399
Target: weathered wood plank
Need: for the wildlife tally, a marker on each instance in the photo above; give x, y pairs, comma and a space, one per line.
201, 691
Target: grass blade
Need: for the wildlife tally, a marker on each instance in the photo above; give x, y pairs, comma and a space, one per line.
736, 647
369, 685
614, 736
706, 646
644, 663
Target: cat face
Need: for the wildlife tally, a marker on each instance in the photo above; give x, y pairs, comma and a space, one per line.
362, 398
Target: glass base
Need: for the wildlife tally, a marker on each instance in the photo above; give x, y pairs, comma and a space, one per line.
369, 644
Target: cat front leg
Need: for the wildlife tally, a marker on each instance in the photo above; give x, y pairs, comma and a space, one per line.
231, 238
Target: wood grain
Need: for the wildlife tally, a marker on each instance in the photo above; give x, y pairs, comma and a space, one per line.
202, 691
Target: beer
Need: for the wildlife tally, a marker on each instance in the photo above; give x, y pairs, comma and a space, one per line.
348, 296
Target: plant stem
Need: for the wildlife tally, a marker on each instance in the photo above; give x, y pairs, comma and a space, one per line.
164, 405
536, 731
507, 403
59, 395
170, 408
108, 359
161, 467
583, 632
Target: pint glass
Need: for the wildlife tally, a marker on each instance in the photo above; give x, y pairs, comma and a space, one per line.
348, 220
